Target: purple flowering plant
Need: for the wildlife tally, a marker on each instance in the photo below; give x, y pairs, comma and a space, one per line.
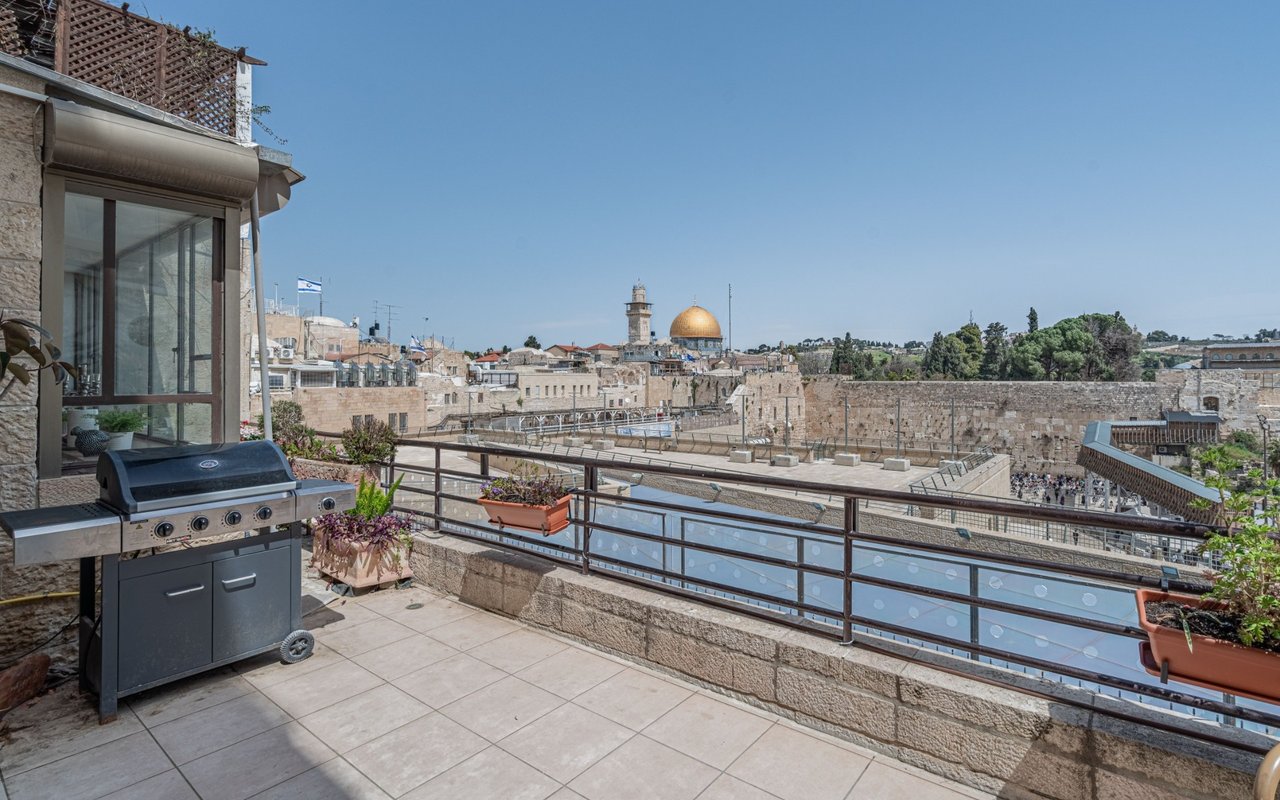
526, 487
370, 524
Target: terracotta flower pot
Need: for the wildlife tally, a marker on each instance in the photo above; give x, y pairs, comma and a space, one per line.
1211, 663
539, 519
355, 566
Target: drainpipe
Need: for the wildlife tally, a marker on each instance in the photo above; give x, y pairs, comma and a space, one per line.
264, 381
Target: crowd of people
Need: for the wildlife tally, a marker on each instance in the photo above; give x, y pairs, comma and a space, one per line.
1058, 490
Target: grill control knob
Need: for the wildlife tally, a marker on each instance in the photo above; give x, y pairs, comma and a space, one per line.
328, 504
199, 523
164, 529
263, 513
233, 517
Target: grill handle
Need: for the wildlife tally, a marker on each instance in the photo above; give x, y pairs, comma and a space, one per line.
180, 592
229, 582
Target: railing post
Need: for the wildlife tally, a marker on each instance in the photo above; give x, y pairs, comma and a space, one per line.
850, 526
589, 479
484, 465
436, 489
975, 632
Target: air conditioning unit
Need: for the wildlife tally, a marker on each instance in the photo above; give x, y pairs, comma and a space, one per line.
286, 352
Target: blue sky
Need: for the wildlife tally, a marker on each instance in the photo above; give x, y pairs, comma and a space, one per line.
508, 168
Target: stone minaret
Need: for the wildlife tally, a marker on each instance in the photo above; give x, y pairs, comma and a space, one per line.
639, 310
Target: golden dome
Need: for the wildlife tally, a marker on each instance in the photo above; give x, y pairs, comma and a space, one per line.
695, 322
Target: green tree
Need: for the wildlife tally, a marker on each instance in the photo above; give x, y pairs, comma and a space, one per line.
945, 359
995, 354
532, 341
971, 336
1033, 320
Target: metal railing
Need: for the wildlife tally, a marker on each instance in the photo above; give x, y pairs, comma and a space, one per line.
849, 581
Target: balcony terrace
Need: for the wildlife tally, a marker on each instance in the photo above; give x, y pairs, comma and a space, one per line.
683, 639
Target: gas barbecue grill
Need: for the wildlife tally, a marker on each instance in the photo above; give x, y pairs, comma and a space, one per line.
230, 590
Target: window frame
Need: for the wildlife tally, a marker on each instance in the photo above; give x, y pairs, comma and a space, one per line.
224, 372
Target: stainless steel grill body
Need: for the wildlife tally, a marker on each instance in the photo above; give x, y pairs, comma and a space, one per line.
148, 498
233, 590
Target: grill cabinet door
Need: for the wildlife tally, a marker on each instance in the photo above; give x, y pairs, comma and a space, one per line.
250, 601
165, 624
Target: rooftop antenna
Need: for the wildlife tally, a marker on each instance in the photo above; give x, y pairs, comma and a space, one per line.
391, 314
729, 343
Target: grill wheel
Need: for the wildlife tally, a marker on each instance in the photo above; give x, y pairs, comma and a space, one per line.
297, 646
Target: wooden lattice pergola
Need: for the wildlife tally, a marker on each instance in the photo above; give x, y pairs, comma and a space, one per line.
181, 72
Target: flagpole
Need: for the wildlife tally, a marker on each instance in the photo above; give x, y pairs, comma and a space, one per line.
322, 295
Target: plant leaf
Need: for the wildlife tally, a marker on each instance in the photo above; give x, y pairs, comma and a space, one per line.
31, 325
20, 372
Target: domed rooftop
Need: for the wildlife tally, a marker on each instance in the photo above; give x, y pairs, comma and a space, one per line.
695, 322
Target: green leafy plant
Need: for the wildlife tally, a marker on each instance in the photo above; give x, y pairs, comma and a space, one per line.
369, 442
23, 338
114, 420
1247, 585
372, 501
369, 527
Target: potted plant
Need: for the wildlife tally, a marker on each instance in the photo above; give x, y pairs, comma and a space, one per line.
367, 545
121, 426
1228, 639
527, 501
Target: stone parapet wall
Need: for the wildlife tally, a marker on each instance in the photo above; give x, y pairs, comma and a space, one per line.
990, 737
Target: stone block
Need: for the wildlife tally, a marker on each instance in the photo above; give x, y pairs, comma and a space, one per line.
20, 227
21, 282
628, 602
1113, 786
606, 630
469, 438
741, 457
20, 172
1013, 760
848, 459
720, 628
711, 663
18, 436
574, 441
17, 487
1007, 711
1165, 759
784, 460
837, 703
897, 464
603, 444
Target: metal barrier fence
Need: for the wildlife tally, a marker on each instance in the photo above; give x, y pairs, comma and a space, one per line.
1063, 623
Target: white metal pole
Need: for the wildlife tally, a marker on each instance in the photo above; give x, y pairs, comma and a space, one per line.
264, 381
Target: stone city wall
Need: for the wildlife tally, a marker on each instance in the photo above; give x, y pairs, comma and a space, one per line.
893, 700
1039, 424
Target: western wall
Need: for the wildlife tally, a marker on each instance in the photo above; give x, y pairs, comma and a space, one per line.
1039, 424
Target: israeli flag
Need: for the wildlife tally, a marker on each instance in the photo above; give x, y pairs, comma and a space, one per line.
415, 345
309, 287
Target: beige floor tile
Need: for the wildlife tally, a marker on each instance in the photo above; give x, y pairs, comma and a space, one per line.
780, 762
92, 773
491, 773
566, 741
432, 615
356, 720
642, 769
517, 650
268, 670
248, 767
165, 786
60, 701
413, 754
446, 681
367, 636
880, 781
389, 602
338, 616
322, 688
571, 672
399, 658
501, 708
633, 698
715, 733
727, 787
473, 631
333, 780
32, 743
566, 794
188, 696
202, 732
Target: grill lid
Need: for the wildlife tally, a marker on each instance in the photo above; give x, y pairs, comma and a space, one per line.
155, 478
